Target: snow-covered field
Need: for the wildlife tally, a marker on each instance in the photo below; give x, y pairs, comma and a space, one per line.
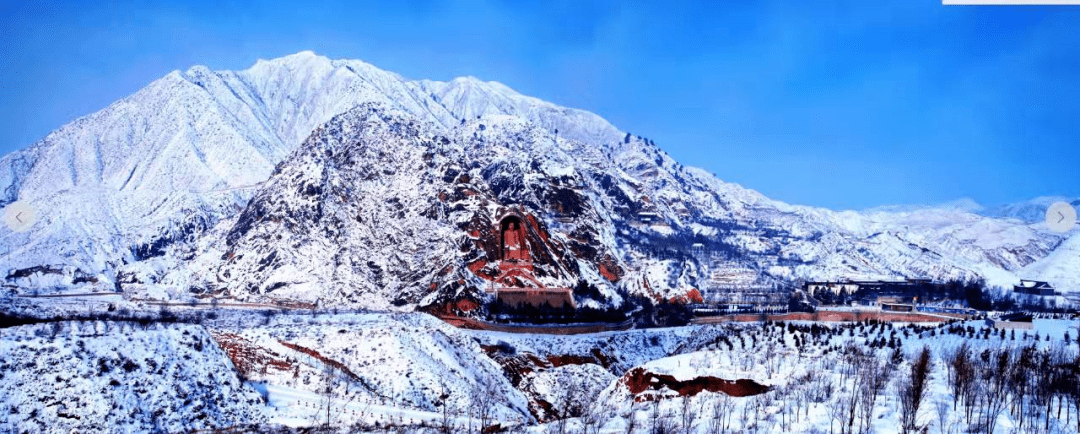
413, 372
819, 382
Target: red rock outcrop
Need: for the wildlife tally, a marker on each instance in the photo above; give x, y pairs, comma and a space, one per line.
639, 380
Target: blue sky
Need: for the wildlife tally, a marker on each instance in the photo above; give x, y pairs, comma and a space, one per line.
844, 105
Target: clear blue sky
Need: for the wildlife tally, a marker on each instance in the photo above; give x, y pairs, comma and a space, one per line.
845, 105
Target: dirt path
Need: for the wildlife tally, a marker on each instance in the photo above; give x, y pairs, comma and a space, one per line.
568, 329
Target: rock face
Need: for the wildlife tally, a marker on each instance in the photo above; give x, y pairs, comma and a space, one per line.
312, 179
382, 209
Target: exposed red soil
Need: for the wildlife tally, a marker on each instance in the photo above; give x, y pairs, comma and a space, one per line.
517, 366
691, 296
536, 227
694, 296
466, 305
476, 266
248, 357
610, 269
649, 291
331, 362
639, 380
445, 270
602, 358
564, 360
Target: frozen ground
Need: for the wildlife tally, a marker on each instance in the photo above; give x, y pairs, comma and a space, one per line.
86, 376
355, 370
813, 383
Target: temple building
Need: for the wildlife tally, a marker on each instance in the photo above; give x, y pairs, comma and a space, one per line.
1034, 287
516, 285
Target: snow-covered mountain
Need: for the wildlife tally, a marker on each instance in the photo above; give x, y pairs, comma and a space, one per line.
333, 181
191, 146
1029, 211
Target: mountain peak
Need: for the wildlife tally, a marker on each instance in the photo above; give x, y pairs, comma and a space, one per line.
964, 204
303, 60
302, 56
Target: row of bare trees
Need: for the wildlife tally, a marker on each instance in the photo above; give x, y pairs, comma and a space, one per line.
1033, 384
862, 378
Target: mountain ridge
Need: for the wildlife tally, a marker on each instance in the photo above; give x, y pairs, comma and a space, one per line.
180, 159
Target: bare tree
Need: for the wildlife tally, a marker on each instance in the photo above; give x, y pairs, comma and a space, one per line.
568, 399
591, 421
1072, 388
333, 399
911, 391
942, 407
660, 422
875, 376
850, 386
960, 373
1045, 384
840, 410
631, 417
992, 387
446, 413
688, 414
783, 396
1020, 382
771, 361
722, 408
483, 406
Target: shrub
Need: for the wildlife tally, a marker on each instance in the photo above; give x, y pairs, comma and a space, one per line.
129, 365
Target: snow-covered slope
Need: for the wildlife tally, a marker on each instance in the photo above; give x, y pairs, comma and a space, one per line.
116, 377
1061, 267
191, 145
412, 361
1030, 211
397, 198
470, 98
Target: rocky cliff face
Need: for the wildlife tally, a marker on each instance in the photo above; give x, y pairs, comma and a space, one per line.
382, 209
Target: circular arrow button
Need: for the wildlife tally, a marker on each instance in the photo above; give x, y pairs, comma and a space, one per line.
1060, 217
19, 216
